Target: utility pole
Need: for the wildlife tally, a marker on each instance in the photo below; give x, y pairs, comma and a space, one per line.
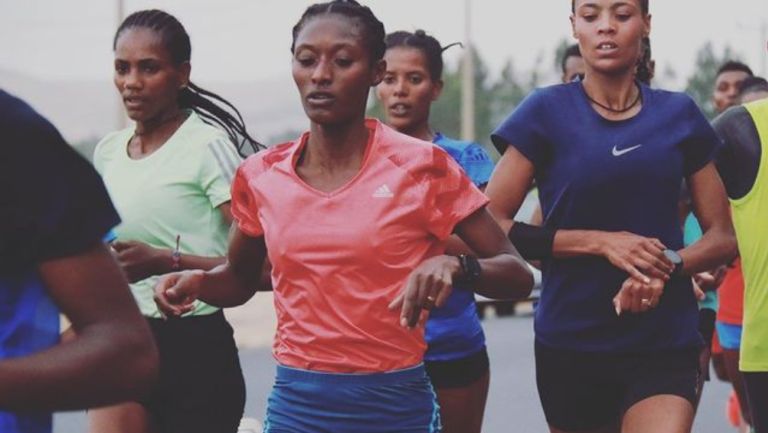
120, 118
468, 79
764, 44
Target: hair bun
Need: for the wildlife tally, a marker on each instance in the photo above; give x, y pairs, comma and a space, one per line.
451, 45
420, 33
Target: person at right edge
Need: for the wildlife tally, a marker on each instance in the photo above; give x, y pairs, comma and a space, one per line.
617, 343
742, 163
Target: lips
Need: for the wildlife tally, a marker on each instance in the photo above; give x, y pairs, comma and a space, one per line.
320, 99
133, 102
607, 47
399, 109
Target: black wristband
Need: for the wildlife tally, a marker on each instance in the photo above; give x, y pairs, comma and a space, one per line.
470, 268
533, 242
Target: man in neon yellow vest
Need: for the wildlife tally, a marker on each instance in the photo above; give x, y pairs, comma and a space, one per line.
743, 166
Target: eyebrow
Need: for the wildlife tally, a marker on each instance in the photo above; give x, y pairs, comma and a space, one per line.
144, 60
335, 47
596, 6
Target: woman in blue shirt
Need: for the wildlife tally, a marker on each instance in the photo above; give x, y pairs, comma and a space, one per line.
616, 327
456, 359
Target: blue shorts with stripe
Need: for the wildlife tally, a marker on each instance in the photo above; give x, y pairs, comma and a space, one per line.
305, 401
729, 335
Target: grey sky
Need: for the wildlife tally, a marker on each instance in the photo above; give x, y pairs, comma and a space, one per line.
57, 53
249, 39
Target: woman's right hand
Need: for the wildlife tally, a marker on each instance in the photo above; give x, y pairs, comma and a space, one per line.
642, 258
176, 293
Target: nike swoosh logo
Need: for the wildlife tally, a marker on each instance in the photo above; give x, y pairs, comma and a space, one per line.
616, 152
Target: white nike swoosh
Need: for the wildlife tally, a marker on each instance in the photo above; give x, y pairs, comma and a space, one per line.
616, 152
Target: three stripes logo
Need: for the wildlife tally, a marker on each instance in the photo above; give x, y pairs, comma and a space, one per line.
383, 192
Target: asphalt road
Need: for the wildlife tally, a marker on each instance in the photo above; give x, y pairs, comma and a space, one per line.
513, 404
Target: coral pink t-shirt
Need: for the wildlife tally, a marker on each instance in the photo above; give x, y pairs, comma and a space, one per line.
339, 258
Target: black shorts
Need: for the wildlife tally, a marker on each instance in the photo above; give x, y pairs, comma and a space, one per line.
707, 319
201, 387
458, 373
588, 390
707, 331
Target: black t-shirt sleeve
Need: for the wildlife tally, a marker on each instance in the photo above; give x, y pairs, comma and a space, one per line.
56, 204
702, 143
738, 161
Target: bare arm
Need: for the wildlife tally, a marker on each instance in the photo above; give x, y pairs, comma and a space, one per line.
112, 356
230, 284
140, 261
504, 274
718, 244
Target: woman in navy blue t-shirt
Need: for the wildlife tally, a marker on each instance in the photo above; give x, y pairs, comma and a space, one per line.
616, 328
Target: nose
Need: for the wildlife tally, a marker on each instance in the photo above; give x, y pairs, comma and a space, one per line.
131, 79
322, 73
401, 87
605, 24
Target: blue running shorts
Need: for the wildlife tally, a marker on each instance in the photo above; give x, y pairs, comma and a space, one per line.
304, 401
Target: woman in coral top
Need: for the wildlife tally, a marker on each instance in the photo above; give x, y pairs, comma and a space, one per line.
354, 217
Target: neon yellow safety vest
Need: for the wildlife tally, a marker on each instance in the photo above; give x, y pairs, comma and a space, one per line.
750, 218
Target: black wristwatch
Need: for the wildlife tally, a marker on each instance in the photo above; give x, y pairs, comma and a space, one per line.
470, 268
676, 260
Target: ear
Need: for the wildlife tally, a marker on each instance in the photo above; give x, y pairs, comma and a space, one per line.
184, 71
647, 22
573, 26
378, 71
437, 89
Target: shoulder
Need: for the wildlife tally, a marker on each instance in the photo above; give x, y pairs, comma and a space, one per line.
758, 110
550, 94
452, 145
24, 129
263, 161
678, 101
462, 150
111, 142
732, 119
421, 159
199, 134
541, 103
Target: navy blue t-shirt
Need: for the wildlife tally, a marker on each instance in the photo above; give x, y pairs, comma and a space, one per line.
597, 174
53, 205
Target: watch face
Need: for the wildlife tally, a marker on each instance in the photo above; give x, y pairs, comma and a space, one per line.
673, 256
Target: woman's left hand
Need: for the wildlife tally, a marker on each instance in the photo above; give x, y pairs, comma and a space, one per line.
138, 260
429, 285
637, 296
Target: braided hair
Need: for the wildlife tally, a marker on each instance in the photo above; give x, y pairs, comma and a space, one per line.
427, 44
645, 65
212, 108
373, 29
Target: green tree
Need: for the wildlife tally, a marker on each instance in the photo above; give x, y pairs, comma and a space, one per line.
702, 82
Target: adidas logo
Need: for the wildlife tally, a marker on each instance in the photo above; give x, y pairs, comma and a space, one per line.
383, 192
